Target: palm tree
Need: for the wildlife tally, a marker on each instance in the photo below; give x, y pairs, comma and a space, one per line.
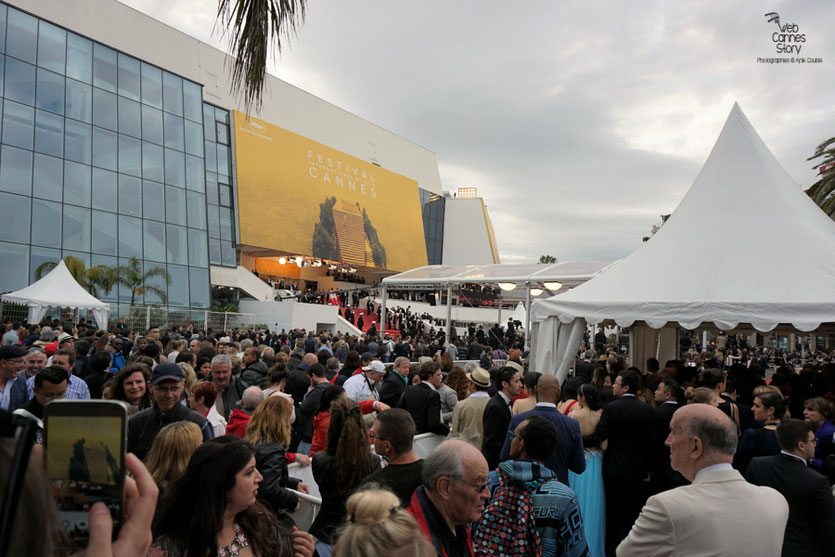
93, 279
254, 28
131, 276
547, 259
822, 192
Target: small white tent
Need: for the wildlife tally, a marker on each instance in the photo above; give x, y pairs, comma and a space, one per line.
745, 248
58, 289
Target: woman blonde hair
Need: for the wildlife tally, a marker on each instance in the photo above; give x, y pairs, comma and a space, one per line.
191, 377
699, 395
171, 451
378, 527
270, 422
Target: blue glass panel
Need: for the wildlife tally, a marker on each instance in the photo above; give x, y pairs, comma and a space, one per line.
78, 141
128, 77
208, 122
14, 267
194, 139
48, 180
211, 157
175, 171
196, 208
173, 129
104, 109
225, 224
211, 188
17, 125
152, 124
130, 119
214, 221
2, 72
227, 254
223, 161
153, 200
104, 67
22, 36
50, 92
130, 237
225, 195
79, 58
19, 81
178, 289
41, 256
151, 85
198, 280
14, 214
79, 101
214, 252
154, 240
198, 248
52, 47
46, 223
176, 244
175, 205
130, 155
192, 101
194, 173
172, 93
2, 27
222, 133
105, 233
76, 228
105, 149
152, 162
104, 190
15, 170
77, 178
130, 195
49, 133
221, 115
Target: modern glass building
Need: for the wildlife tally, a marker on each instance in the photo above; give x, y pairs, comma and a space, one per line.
114, 147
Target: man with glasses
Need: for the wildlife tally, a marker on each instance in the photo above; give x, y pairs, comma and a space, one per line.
33, 362
166, 392
811, 526
453, 494
50, 383
11, 363
393, 436
77, 389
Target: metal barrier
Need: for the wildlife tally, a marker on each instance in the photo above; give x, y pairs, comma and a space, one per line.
305, 474
309, 507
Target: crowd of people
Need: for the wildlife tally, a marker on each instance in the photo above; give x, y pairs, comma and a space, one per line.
615, 460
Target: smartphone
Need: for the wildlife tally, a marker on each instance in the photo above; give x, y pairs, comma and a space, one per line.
85, 443
67, 326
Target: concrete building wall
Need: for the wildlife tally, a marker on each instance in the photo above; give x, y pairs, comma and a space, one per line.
468, 234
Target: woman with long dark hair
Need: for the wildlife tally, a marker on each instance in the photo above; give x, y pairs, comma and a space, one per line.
211, 509
769, 410
339, 469
131, 385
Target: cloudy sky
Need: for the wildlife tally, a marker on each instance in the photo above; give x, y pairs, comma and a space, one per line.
579, 122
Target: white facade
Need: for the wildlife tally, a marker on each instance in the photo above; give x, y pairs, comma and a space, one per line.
468, 233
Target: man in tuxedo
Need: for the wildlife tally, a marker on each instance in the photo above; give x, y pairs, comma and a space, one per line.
585, 368
496, 419
423, 402
567, 453
719, 513
668, 397
811, 527
625, 423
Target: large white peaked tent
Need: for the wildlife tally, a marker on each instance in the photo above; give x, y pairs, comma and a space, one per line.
746, 248
58, 289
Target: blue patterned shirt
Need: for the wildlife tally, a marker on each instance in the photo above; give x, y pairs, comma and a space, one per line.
77, 389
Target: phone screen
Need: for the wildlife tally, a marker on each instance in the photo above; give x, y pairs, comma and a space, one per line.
85, 456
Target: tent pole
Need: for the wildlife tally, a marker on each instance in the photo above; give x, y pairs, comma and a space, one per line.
448, 309
528, 316
383, 312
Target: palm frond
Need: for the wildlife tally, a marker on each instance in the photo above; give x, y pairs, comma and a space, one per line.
158, 272
44, 269
254, 28
159, 292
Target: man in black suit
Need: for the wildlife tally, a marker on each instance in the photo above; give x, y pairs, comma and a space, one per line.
668, 397
394, 385
811, 526
496, 418
625, 423
585, 368
423, 402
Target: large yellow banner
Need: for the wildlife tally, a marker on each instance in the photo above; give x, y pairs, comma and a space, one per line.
302, 197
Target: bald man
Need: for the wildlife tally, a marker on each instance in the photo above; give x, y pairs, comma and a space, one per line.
719, 513
568, 452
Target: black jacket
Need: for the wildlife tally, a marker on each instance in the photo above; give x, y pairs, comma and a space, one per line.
424, 405
307, 410
625, 423
144, 426
811, 526
271, 462
495, 421
391, 389
232, 395
663, 476
256, 374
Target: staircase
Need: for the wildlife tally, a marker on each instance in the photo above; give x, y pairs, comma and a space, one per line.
368, 319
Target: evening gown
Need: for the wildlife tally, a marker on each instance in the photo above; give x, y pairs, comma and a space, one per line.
589, 489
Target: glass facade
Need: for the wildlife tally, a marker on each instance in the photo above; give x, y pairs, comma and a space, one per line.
432, 207
105, 157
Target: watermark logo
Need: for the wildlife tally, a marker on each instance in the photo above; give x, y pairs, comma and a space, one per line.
255, 127
788, 41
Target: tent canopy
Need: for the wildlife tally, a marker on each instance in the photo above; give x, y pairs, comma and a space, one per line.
58, 289
745, 246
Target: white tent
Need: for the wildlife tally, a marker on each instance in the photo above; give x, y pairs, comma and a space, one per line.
746, 248
58, 289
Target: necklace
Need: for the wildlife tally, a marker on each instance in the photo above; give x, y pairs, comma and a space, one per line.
238, 543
